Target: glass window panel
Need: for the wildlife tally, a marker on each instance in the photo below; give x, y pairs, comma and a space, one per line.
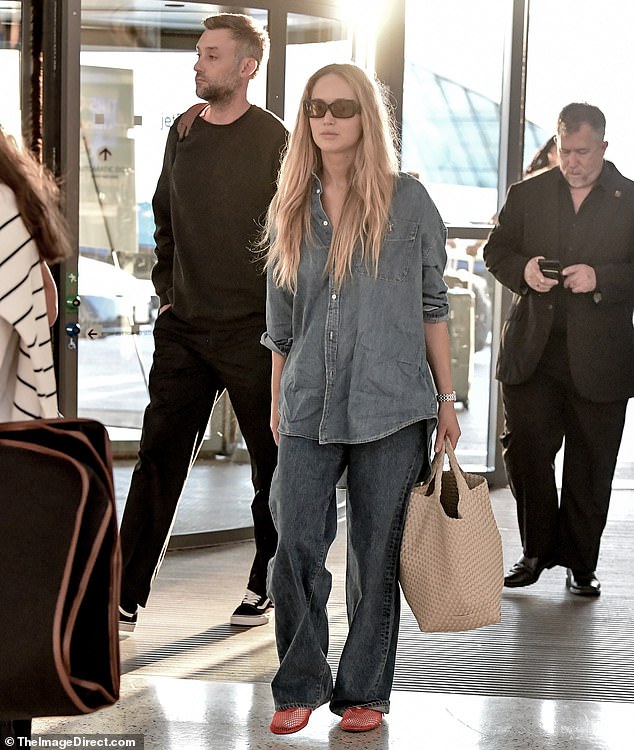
453, 72
451, 102
591, 61
470, 293
136, 78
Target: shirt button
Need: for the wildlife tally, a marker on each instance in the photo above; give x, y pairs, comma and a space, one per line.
325, 223
333, 296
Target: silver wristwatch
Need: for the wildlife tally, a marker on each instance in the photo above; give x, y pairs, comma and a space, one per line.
442, 397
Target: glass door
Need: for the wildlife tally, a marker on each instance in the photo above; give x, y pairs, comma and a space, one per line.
451, 140
136, 78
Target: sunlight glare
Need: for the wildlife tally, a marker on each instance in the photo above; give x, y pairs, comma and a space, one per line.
365, 18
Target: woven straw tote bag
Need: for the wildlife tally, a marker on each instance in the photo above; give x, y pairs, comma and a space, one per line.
451, 568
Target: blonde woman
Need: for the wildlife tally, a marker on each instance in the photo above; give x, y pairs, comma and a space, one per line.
356, 321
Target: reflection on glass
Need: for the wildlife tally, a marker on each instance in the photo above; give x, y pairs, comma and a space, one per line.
451, 103
311, 43
136, 77
470, 293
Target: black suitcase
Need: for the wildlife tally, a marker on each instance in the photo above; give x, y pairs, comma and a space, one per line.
59, 569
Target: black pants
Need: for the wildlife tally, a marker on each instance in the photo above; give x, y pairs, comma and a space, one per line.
538, 415
191, 368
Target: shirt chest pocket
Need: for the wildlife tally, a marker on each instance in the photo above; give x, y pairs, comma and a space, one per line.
396, 254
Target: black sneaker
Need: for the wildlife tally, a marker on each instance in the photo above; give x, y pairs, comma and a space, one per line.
253, 610
127, 621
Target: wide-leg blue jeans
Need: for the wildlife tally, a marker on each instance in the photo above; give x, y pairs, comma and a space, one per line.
380, 477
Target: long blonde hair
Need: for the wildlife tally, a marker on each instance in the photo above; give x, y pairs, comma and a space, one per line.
364, 217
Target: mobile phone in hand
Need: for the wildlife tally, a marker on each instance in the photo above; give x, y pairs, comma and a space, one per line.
550, 268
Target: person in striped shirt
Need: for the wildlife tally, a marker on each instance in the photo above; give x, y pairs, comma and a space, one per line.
33, 233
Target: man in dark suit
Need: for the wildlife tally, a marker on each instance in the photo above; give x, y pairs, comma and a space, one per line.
566, 361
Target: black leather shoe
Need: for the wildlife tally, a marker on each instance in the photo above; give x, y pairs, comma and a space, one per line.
582, 584
526, 571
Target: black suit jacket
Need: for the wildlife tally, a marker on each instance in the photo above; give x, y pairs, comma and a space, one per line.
600, 333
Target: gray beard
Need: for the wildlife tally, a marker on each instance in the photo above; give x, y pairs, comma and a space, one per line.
217, 94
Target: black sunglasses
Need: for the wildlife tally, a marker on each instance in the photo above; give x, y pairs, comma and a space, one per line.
340, 108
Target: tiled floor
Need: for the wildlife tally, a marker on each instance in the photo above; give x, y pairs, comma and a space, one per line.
192, 681
196, 715
557, 673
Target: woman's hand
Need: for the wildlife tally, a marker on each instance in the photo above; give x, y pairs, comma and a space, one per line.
275, 420
439, 358
447, 425
277, 367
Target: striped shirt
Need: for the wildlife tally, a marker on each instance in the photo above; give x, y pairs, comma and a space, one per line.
27, 377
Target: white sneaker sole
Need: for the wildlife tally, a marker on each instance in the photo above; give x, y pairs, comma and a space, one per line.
249, 622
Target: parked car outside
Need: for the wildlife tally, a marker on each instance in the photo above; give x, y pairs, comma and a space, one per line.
113, 301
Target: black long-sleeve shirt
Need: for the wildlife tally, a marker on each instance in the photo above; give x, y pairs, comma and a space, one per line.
211, 197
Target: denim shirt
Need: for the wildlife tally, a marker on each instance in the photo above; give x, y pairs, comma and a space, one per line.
356, 367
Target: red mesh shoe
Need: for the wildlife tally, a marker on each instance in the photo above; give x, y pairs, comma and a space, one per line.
289, 721
360, 719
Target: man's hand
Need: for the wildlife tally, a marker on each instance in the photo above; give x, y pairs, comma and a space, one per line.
579, 278
535, 278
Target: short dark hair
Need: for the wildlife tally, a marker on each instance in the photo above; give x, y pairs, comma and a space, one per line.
574, 115
253, 40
